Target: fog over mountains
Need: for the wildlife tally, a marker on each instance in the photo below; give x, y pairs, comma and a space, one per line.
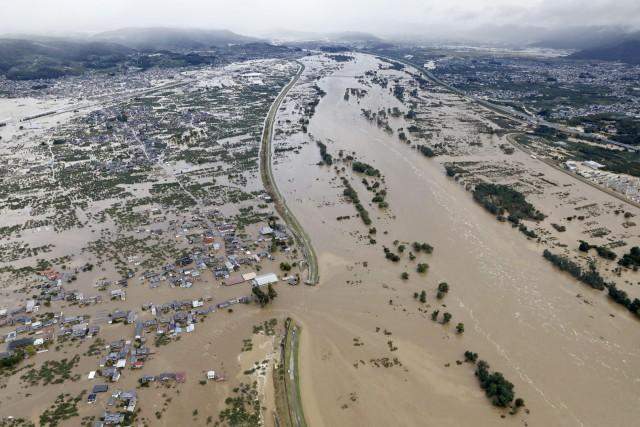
32, 56
27, 57
171, 38
504, 21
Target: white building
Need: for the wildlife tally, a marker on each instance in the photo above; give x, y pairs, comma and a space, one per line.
31, 306
249, 276
571, 165
265, 279
593, 165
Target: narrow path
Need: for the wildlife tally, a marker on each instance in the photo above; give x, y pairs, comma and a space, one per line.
270, 186
292, 374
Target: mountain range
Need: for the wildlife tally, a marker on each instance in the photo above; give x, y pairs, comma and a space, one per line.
627, 51
159, 38
25, 57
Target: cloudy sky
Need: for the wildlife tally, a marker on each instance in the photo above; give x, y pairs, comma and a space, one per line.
383, 17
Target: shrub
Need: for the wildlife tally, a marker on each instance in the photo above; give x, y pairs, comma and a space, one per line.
606, 253
632, 259
365, 168
584, 246
422, 247
326, 157
470, 356
447, 318
426, 151
443, 289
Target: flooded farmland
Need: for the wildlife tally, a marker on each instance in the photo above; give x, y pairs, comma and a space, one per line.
135, 239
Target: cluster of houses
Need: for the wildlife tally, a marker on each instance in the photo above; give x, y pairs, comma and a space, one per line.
221, 251
38, 332
126, 400
26, 328
178, 377
232, 257
626, 185
189, 268
121, 354
51, 285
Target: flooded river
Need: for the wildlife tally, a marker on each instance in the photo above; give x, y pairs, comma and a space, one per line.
574, 363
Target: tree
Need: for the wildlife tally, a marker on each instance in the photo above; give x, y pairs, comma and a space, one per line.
30, 350
500, 198
12, 360
470, 356
422, 247
423, 297
591, 277
271, 292
632, 259
434, 315
405, 276
426, 248
422, 267
460, 328
262, 298
447, 318
285, 266
519, 402
426, 151
443, 288
495, 386
390, 255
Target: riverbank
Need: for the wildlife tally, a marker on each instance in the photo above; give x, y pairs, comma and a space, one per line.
266, 174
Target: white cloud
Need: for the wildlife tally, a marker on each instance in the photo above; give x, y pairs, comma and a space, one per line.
252, 16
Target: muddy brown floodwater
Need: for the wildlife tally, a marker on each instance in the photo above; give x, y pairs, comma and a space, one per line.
573, 363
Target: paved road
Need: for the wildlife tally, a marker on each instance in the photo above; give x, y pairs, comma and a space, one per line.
269, 183
292, 379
